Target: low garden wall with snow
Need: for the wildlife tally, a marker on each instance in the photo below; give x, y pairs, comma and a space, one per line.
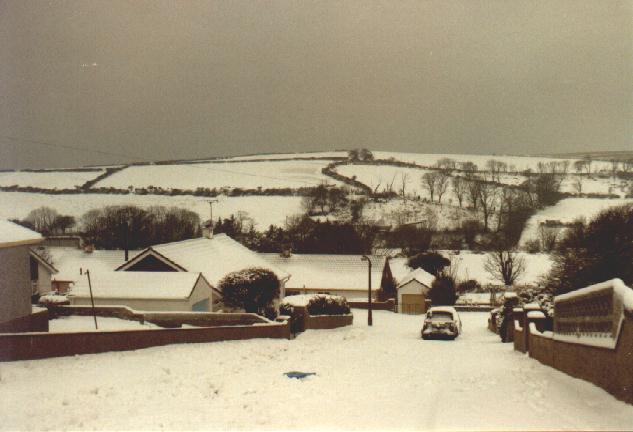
592, 337
26, 346
389, 305
37, 321
162, 319
316, 311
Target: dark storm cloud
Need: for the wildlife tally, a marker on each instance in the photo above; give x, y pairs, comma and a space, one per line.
161, 80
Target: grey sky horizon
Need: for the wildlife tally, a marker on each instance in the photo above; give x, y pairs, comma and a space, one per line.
97, 82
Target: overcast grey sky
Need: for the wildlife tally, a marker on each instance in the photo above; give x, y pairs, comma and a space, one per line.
178, 79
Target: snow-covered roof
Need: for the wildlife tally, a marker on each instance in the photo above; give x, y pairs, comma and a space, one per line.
12, 234
399, 268
213, 257
69, 261
43, 262
331, 272
136, 285
420, 275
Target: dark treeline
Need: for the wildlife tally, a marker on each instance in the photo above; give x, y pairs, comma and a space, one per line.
129, 227
302, 235
119, 227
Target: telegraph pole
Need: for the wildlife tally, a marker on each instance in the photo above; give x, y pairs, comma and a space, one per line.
369, 317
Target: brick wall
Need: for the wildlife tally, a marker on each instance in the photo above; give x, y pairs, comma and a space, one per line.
328, 321
43, 345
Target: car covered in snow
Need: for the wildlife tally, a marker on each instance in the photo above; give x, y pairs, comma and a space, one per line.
441, 322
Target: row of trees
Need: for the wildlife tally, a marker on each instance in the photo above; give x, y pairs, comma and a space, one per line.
47, 221
120, 227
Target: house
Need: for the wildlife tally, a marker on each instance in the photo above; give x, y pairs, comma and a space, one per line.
413, 290
214, 256
146, 291
16, 313
344, 275
72, 264
42, 273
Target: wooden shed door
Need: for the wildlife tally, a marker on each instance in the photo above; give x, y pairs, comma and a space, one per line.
412, 304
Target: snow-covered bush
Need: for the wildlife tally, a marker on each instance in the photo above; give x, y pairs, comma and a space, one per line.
53, 299
252, 289
317, 304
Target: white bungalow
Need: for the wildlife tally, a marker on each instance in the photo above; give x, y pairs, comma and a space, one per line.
213, 256
344, 275
146, 291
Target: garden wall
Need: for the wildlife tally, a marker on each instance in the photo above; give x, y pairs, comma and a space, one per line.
163, 319
35, 322
328, 321
592, 337
388, 305
27, 346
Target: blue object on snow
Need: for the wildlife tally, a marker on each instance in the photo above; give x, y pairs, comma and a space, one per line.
298, 375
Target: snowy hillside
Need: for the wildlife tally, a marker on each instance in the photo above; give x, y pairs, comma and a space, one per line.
48, 180
567, 211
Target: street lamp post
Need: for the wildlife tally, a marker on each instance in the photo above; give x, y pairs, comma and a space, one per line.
369, 317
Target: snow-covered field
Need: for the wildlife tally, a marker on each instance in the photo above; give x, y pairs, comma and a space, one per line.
265, 210
247, 175
566, 211
48, 180
381, 378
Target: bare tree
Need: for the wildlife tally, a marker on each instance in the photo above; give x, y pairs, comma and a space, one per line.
577, 184
403, 184
548, 237
505, 265
487, 200
429, 181
459, 189
615, 164
42, 219
579, 166
441, 183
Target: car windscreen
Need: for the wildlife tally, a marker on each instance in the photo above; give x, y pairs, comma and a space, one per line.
441, 316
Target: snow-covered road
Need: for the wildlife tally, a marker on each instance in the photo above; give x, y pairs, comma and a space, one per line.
384, 377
